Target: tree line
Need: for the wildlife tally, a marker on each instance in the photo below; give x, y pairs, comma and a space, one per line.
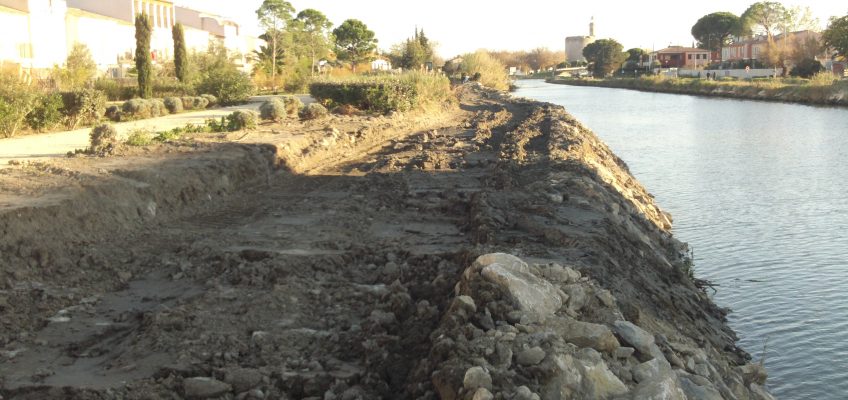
772, 20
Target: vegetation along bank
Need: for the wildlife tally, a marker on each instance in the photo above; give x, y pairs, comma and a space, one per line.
816, 91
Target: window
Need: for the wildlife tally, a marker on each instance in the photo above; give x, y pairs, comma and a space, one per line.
690, 56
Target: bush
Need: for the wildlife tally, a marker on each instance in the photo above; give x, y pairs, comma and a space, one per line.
47, 112
314, 111
273, 110
242, 120
200, 103
229, 85
385, 93
114, 113
174, 104
823, 78
137, 109
84, 106
212, 100
188, 102
377, 96
102, 139
139, 137
157, 108
114, 90
293, 105
485, 69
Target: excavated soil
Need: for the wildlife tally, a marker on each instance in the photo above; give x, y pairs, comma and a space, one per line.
326, 264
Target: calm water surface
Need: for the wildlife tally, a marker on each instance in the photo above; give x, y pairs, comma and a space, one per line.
760, 192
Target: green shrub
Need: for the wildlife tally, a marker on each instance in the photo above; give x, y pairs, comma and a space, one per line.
84, 106
242, 120
114, 90
384, 94
314, 111
273, 110
486, 69
113, 113
137, 109
174, 104
47, 112
377, 96
200, 103
212, 100
229, 85
188, 103
139, 137
102, 139
158, 108
293, 105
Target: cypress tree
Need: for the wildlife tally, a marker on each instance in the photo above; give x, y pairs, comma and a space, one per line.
143, 30
180, 53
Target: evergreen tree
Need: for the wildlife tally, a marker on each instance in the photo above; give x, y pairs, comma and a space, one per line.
180, 53
143, 30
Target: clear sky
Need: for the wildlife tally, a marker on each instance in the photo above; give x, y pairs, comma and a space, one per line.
461, 26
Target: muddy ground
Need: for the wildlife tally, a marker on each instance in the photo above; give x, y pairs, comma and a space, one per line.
324, 259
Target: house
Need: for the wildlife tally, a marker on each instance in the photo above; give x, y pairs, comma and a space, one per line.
381, 64
681, 57
46, 30
755, 47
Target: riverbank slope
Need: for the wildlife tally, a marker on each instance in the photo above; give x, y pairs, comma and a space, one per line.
501, 251
830, 95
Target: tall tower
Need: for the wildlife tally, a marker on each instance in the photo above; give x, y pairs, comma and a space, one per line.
592, 27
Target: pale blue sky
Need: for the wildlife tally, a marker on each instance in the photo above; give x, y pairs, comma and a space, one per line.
461, 26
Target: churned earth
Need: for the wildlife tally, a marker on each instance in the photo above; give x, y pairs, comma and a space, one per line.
494, 251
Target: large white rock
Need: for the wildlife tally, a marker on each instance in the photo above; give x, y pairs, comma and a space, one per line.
586, 334
528, 292
664, 387
639, 339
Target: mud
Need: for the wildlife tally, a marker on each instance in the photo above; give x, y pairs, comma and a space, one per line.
329, 264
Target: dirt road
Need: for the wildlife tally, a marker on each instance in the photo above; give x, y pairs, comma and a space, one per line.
335, 278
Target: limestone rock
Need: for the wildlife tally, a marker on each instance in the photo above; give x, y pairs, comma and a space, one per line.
476, 378
243, 379
664, 387
596, 336
700, 390
577, 297
598, 381
204, 388
649, 370
634, 335
483, 394
528, 292
524, 393
531, 356
623, 352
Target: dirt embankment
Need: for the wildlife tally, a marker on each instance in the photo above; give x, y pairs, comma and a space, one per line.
498, 252
833, 95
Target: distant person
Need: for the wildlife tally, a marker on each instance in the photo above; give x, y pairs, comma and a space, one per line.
464, 77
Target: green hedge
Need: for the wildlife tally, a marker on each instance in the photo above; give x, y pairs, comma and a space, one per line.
378, 96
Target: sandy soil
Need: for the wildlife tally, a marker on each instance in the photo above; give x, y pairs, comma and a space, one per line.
317, 260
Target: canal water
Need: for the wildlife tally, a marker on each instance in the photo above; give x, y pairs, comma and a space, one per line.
760, 192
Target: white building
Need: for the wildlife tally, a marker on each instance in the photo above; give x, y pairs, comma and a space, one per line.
42, 32
574, 45
381, 64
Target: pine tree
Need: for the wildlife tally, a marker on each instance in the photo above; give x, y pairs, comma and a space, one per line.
180, 53
143, 30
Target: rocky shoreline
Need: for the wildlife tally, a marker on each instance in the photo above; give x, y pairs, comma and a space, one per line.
500, 252
835, 95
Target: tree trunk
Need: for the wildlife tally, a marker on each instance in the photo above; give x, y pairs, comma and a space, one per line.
274, 62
